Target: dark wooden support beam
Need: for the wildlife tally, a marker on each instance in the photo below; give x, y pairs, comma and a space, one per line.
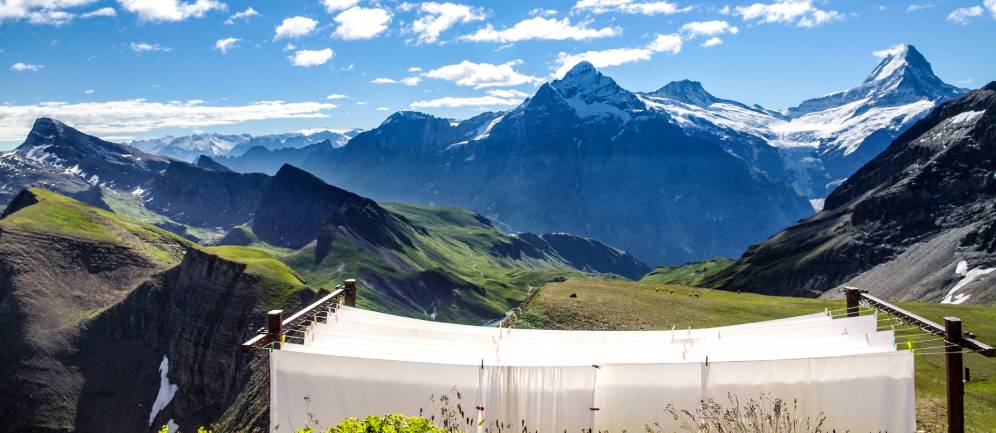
853, 297
349, 294
955, 370
275, 326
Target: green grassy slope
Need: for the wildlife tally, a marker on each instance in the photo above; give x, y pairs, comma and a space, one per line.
455, 250
689, 274
130, 206
277, 280
56, 214
625, 305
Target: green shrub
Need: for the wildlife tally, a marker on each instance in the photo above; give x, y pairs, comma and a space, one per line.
395, 423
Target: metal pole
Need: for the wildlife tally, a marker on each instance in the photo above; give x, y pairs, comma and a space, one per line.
955, 370
349, 295
275, 326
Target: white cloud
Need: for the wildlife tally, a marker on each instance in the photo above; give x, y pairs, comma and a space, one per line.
40, 11
335, 96
88, 91
102, 12
708, 28
991, 5
630, 7
670, 43
409, 81
888, 51
414, 69
508, 93
479, 75
362, 103
435, 18
800, 13
382, 109
666, 44
171, 10
542, 12
289, 47
225, 44
145, 47
712, 42
919, 7
541, 28
50, 17
602, 58
138, 115
338, 5
309, 58
473, 101
963, 15
25, 67
294, 27
244, 16
361, 23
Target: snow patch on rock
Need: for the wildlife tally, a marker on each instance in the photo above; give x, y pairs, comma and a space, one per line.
953, 297
166, 390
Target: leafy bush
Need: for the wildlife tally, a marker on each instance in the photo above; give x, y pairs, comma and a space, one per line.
395, 423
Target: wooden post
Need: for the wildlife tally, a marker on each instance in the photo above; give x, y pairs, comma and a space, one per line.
853, 300
349, 294
275, 326
955, 370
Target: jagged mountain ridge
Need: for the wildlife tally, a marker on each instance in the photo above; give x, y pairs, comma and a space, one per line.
443, 164
917, 222
189, 147
558, 162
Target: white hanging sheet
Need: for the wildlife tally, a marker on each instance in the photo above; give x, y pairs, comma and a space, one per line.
320, 390
364, 363
392, 342
628, 396
544, 399
864, 393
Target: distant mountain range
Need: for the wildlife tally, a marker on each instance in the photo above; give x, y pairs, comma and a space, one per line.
672, 175
917, 222
189, 147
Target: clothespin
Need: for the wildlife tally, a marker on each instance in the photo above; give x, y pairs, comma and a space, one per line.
719, 335
672, 332
689, 335
867, 338
707, 360
845, 331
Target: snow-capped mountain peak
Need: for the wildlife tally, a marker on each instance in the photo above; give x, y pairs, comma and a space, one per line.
903, 76
687, 91
593, 94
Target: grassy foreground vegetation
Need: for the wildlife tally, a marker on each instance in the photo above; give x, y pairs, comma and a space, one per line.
607, 304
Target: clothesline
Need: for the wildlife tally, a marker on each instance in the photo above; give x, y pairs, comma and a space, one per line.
557, 381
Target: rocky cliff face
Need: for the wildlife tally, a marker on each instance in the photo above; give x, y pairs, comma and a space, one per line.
914, 223
123, 333
202, 197
189, 322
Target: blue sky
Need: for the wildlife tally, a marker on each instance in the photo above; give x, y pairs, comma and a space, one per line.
139, 68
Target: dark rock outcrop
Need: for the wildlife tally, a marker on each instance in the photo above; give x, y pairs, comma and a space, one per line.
205, 161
